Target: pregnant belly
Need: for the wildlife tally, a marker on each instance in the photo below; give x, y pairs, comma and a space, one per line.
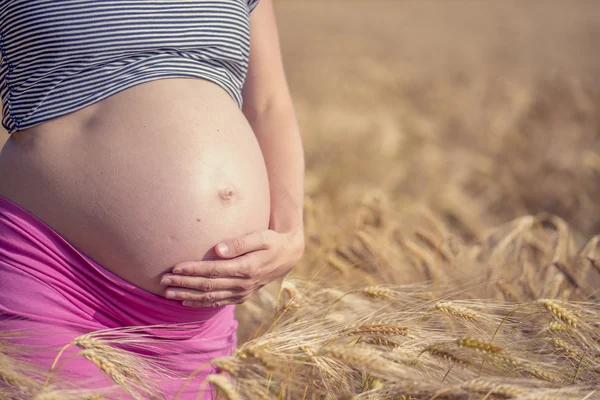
150, 177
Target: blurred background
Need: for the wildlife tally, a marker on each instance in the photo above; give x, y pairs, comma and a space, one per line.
480, 110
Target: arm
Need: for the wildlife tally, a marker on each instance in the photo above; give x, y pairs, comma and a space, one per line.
250, 262
268, 107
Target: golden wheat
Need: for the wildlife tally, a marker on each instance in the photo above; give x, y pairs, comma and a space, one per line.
224, 386
378, 292
383, 329
13, 376
493, 388
446, 355
458, 311
559, 311
479, 345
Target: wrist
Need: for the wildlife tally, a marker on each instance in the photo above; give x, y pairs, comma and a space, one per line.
294, 239
287, 225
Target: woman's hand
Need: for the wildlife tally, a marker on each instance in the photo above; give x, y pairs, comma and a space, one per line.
247, 264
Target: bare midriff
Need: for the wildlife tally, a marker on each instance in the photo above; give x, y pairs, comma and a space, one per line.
152, 176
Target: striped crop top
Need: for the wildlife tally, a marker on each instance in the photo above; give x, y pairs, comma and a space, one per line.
58, 56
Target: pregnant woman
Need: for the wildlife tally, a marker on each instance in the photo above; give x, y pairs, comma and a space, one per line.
153, 174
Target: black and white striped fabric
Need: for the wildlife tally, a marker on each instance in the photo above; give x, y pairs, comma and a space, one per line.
61, 55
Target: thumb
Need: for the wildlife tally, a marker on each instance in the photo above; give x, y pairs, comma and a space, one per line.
245, 244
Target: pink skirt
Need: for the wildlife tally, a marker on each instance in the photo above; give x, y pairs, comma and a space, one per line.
51, 293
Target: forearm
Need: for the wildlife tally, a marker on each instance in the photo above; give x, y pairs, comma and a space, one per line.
279, 138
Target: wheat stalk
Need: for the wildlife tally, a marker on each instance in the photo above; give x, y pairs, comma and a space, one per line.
479, 345
381, 342
446, 355
458, 311
493, 388
384, 329
11, 374
558, 326
52, 394
125, 369
565, 348
260, 355
363, 358
228, 364
377, 292
559, 311
224, 386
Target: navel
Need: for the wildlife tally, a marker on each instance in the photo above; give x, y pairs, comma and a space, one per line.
227, 193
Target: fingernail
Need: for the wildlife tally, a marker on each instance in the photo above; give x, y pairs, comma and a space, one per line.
223, 249
178, 270
187, 303
165, 281
170, 294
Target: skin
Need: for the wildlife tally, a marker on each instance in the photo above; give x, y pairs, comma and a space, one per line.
250, 262
149, 181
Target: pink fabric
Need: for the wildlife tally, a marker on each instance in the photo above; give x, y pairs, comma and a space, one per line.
51, 293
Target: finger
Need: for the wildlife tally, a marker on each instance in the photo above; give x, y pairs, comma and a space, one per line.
244, 267
200, 304
205, 284
195, 295
258, 240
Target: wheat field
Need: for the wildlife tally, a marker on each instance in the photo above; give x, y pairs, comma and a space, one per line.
452, 212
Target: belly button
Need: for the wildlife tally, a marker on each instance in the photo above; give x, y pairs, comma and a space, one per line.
227, 193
